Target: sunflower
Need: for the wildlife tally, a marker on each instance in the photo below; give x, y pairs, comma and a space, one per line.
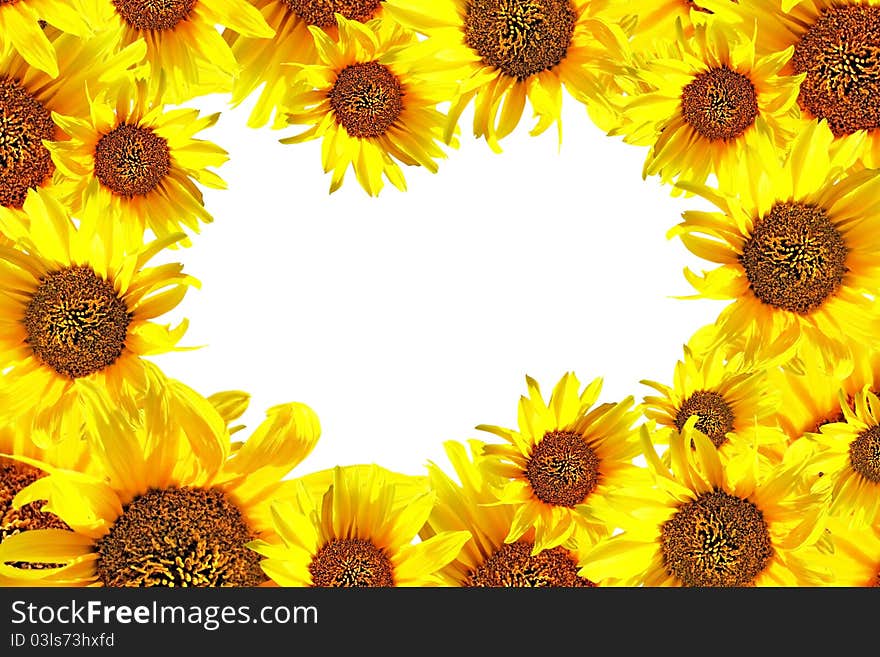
186, 53
488, 559
76, 313
21, 30
714, 525
372, 101
566, 453
848, 461
706, 98
797, 249
356, 534
264, 61
173, 502
730, 398
855, 559
139, 160
504, 52
836, 45
29, 96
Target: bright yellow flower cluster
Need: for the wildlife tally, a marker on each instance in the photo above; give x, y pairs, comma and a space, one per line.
756, 464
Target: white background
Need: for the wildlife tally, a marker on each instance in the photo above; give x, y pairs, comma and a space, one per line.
408, 319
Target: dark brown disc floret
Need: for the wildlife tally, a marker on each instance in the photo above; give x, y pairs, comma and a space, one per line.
864, 454
795, 258
563, 469
25, 163
719, 103
714, 416
520, 37
155, 15
322, 13
351, 562
183, 536
514, 565
840, 54
366, 99
131, 160
76, 323
718, 540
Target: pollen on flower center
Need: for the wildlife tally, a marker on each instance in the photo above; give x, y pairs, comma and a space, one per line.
795, 258
717, 540
562, 469
179, 537
76, 323
154, 14
131, 160
24, 123
366, 99
864, 454
520, 37
14, 477
321, 12
840, 54
351, 562
719, 103
514, 565
714, 415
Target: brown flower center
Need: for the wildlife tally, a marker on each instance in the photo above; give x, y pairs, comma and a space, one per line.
562, 469
520, 37
24, 123
14, 477
719, 104
351, 562
839, 54
715, 417
179, 537
154, 14
366, 99
76, 323
321, 12
717, 539
795, 258
131, 161
514, 565
864, 454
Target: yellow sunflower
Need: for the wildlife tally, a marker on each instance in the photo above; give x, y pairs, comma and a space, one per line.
487, 558
855, 559
139, 160
356, 534
21, 30
29, 96
704, 100
173, 502
372, 100
848, 459
728, 396
714, 525
76, 312
836, 46
505, 52
566, 453
264, 61
796, 247
186, 52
